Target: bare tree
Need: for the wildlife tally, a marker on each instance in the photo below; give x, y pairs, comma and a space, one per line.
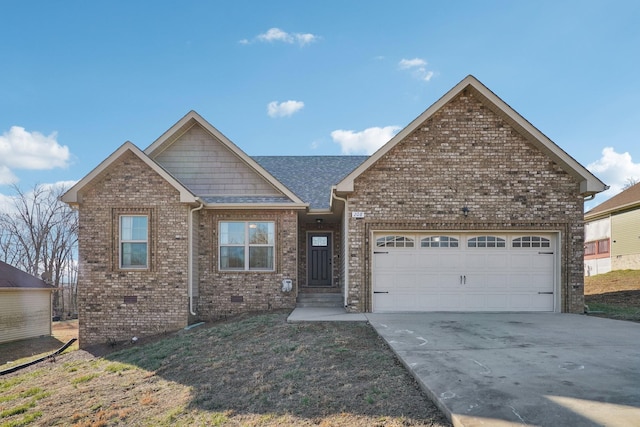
39, 235
630, 182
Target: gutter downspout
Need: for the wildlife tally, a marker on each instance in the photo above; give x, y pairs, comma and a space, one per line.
345, 240
190, 255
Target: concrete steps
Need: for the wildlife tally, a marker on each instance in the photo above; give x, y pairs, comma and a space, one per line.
319, 300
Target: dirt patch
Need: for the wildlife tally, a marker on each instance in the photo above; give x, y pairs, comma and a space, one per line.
24, 350
253, 370
615, 295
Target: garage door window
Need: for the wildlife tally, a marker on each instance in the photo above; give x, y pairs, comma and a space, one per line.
439, 242
486, 242
394, 242
531, 242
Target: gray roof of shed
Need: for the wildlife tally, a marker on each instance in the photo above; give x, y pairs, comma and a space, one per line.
310, 177
11, 277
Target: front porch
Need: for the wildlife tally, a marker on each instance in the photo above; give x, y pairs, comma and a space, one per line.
319, 263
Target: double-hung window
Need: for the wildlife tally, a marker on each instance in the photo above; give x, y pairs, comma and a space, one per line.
134, 241
247, 246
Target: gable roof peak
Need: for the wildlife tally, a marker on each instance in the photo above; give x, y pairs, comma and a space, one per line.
192, 118
73, 196
589, 183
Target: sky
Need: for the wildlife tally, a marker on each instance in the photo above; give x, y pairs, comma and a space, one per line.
79, 78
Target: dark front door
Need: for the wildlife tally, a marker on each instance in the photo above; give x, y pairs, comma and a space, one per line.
319, 256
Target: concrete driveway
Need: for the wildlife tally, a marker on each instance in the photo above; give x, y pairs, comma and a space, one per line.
490, 369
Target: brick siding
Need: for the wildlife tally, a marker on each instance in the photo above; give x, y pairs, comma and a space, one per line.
225, 293
466, 155
160, 293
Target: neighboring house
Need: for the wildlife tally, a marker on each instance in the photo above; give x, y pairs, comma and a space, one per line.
469, 208
612, 234
25, 305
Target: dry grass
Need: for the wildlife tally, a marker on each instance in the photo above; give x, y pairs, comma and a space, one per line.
615, 295
255, 370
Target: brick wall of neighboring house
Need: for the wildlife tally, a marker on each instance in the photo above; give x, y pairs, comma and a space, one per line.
336, 250
224, 293
117, 304
466, 155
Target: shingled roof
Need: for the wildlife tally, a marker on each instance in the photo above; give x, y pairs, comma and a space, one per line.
627, 199
310, 177
11, 277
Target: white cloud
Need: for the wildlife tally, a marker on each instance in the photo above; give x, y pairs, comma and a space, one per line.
20, 149
284, 109
6, 176
277, 35
614, 169
305, 38
418, 68
8, 202
363, 142
411, 63
60, 186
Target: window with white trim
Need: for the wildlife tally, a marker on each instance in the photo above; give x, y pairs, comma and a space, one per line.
247, 245
531, 242
439, 242
134, 241
394, 242
486, 242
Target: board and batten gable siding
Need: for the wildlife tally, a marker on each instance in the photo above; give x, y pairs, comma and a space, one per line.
117, 304
465, 155
24, 313
207, 167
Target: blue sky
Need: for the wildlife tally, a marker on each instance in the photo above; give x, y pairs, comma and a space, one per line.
78, 78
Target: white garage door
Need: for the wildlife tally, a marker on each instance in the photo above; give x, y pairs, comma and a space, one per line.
464, 272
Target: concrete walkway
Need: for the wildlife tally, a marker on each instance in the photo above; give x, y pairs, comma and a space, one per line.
324, 314
515, 369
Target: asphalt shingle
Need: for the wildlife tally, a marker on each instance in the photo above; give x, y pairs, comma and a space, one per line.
310, 177
626, 198
11, 277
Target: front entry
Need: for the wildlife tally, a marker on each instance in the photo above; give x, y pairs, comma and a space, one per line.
319, 259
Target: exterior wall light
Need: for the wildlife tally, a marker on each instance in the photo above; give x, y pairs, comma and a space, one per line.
465, 211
